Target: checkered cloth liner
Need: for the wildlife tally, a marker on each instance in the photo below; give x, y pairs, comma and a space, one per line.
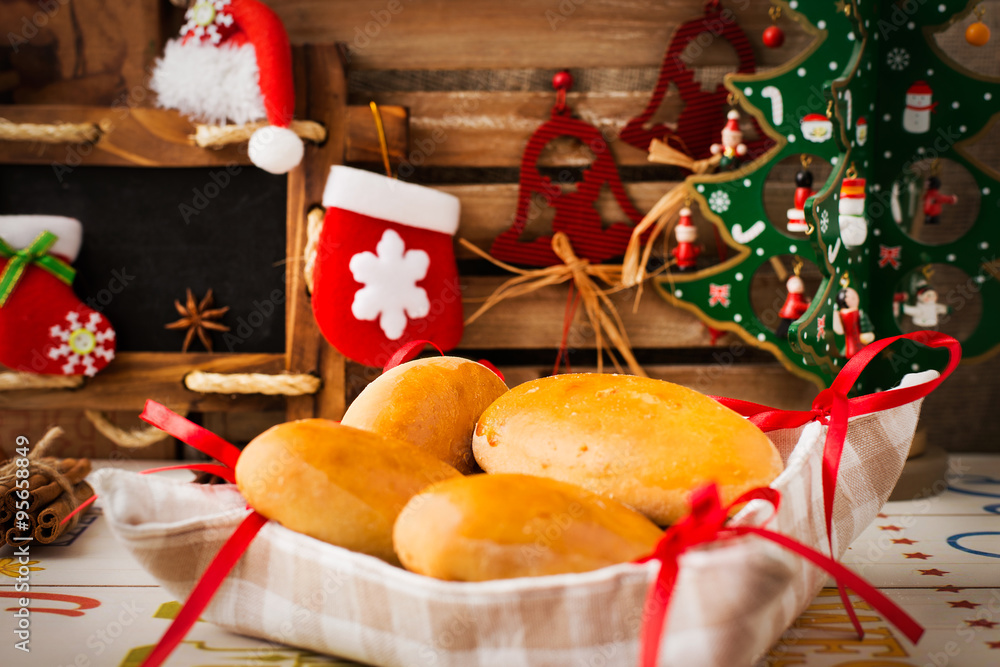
732, 600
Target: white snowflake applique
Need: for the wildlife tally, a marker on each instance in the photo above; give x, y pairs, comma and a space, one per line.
390, 292
898, 59
824, 221
209, 21
719, 201
82, 344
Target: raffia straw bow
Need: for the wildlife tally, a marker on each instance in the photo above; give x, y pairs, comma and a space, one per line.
601, 312
637, 254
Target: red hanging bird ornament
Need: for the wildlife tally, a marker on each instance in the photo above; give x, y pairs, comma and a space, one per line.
698, 125
575, 211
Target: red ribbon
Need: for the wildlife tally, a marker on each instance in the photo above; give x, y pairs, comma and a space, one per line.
832, 408
706, 523
234, 548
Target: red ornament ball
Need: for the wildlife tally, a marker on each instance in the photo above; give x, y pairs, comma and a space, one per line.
562, 80
774, 37
977, 34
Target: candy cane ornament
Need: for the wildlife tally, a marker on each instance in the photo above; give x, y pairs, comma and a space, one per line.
777, 104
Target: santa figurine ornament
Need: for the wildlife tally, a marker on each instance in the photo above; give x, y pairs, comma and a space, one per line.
796, 304
686, 253
732, 149
934, 201
850, 321
803, 191
44, 327
233, 63
385, 272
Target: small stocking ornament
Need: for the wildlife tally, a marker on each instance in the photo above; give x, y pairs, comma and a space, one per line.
575, 212
803, 191
795, 306
686, 253
851, 207
851, 322
698, 122
934, 201
233, 62
44, 328
385, 268
732, 149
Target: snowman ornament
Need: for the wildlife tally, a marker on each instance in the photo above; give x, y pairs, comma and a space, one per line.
851, 207
917, 116
926, 311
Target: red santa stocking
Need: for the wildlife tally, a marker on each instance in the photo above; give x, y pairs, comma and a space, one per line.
44, 328
385, 268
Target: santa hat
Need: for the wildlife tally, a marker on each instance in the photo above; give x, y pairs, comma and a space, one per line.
919, 88
852, 188
233, 62
733, 124
685, 230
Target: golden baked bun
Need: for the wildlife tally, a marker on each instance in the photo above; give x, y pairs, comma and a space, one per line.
646, 443
335, 483
504, 526
432, 403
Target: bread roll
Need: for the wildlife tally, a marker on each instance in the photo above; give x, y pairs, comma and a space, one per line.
335, 483
644, 442
503, 526
432, 403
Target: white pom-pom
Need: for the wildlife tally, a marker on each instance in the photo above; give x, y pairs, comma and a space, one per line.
275, 149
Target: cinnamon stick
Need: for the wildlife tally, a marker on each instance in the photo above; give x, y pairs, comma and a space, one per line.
50, 526
13, 532
43, 489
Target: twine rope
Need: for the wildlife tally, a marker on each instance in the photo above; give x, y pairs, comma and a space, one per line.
13, 381
286, 384
314, 226
130, 439
50, 133
217, 136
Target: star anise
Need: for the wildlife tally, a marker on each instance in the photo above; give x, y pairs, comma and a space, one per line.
198, 318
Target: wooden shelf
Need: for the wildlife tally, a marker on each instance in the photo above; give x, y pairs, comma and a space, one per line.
134, 377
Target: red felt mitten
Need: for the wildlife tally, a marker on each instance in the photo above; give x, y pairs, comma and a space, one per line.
44, 328
385, 268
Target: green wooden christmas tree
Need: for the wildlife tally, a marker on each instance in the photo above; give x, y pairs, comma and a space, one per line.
842, 101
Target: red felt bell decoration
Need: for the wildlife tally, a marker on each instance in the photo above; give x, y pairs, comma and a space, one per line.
575, 212
698, 125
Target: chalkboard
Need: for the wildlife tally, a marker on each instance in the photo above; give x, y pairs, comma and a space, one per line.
150, 233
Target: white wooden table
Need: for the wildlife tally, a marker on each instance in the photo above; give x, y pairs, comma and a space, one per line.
938, 558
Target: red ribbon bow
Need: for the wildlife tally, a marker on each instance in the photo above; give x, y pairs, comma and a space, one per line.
706, 523
833, 409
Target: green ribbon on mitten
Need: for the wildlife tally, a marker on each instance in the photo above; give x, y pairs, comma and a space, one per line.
35, 253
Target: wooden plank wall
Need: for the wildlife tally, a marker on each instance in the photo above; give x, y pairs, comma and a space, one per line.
476, 79
475, 76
